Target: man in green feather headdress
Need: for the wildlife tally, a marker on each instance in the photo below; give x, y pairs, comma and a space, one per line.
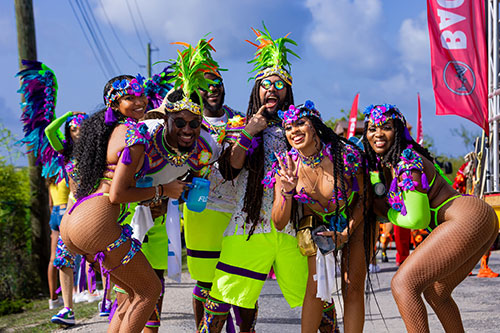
252, 245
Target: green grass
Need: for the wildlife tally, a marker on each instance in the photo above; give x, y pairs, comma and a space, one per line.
36, 317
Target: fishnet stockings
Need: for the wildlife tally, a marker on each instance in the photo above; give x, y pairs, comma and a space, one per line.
89, 229
441, 262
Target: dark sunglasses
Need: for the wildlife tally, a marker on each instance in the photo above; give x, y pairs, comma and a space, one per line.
267, 84
181, 123
217, 83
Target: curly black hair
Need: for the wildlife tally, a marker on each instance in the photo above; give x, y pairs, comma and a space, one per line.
90, 152
255, 163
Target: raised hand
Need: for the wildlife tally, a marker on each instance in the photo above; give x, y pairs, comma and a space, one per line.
288, 173
257, 123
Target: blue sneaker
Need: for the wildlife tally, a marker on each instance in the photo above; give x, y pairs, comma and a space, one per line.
107, 308
64, 317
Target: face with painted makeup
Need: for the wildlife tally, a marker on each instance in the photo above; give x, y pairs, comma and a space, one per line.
381, 138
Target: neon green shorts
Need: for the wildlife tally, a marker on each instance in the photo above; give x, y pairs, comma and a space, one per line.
203, 234
244, 266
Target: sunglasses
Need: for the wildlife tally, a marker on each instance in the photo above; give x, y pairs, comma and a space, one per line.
267, 84
181, 123
217, 83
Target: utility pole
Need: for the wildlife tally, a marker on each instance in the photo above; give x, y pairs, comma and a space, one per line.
149, 50
39, 195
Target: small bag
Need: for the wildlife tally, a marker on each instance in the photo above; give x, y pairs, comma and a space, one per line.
304, 236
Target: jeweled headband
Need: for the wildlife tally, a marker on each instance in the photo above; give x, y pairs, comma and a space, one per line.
184, 104
124, 87
377, 114
276, 70
294, 113
76, 120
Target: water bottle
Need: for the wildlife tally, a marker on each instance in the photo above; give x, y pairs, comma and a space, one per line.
144, 182
197, 195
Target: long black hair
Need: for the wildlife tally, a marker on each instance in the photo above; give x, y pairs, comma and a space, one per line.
255, 162
90, 151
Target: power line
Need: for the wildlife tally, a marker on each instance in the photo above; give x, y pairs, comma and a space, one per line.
88, 41
142, 21
102, 37
135, 28
104, 59
116, 36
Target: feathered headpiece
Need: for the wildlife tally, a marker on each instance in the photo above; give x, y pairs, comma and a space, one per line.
188, 71
157, 87
271, 56
39, 88
294, 113
379, 114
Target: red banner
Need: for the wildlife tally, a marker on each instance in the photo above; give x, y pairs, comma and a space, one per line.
420, 132
353, 117
457, 30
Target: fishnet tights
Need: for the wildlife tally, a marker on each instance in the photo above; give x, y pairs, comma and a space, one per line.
89, 229
441, 262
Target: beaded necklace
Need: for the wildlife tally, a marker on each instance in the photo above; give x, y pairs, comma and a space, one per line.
314, 160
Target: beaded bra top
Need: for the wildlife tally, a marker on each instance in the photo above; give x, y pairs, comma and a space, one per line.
410, 160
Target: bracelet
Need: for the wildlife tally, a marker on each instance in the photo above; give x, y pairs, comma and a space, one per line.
157, 193
161, 186
244, 141
287, 194
248, 135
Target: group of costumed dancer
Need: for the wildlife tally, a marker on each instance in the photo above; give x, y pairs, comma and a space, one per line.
286, 193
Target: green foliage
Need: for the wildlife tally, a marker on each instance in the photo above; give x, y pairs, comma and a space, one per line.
17, 275
8, 306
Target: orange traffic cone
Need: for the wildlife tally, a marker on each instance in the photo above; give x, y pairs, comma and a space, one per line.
485, 271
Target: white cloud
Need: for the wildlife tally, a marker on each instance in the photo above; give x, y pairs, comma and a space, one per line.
349, 32
228, 21
414, 43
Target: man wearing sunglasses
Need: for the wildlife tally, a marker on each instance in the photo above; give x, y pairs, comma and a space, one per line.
203, 231
251, 244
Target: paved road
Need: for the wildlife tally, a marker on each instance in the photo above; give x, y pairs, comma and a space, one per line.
478, 300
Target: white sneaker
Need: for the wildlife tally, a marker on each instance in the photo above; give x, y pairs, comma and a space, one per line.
94, 297
81, 297
374, 268
55, 303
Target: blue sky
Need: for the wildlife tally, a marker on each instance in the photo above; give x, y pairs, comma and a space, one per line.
378, 48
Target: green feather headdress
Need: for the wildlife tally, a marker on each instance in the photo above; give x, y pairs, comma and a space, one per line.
271, 56
188, 71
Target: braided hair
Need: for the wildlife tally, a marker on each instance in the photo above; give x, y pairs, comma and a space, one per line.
255, 162
90, 152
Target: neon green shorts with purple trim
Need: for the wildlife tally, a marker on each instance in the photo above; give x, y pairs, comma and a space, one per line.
244, 265
203, 234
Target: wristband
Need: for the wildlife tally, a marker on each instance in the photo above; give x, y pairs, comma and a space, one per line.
287, 194
244, 142
248, 135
